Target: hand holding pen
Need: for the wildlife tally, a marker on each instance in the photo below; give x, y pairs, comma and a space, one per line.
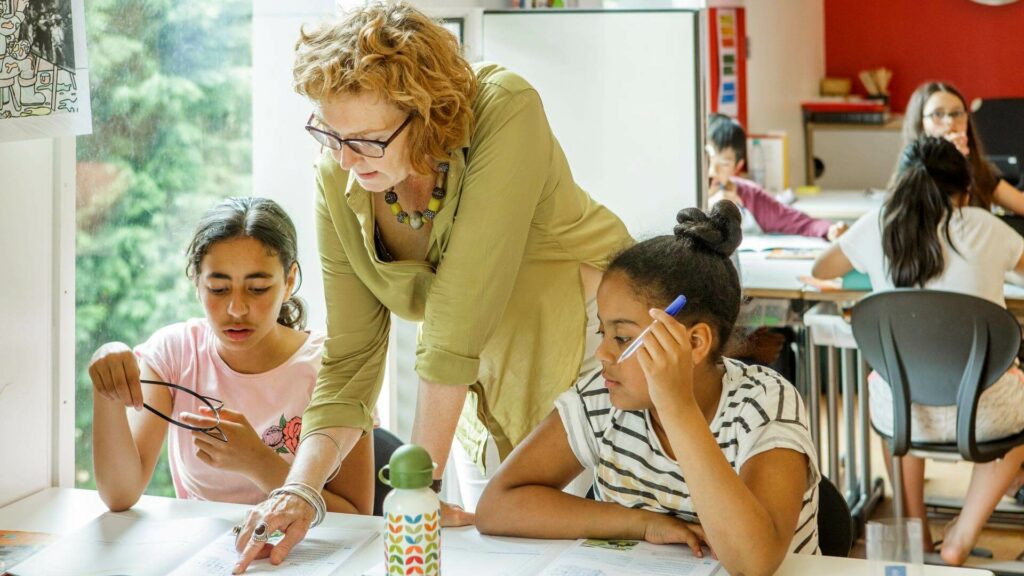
672, 310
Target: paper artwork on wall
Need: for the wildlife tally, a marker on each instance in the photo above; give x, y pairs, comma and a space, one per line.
44, 73
728, 95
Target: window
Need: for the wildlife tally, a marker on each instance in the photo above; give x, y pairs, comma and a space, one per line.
172, 118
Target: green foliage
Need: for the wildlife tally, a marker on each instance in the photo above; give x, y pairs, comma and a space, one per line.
172, 120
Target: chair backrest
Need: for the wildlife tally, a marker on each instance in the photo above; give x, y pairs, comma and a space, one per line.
835, 523
384, 445
935, 348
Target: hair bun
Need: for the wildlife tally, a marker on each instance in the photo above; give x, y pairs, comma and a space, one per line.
717, 231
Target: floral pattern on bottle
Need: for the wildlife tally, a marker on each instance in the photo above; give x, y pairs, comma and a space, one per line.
414, 545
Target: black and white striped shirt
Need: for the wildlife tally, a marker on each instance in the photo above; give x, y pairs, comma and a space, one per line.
758, 411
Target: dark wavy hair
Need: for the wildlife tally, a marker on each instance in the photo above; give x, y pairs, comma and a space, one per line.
983, 174
695, 262
931, 172
250, 217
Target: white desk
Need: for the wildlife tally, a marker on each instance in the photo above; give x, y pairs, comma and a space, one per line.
59, 511
764, 277
839, 204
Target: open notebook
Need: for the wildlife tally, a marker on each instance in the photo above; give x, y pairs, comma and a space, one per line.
129, 543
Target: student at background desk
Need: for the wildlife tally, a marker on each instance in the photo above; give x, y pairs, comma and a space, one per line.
762, 213
939, 109
927, 236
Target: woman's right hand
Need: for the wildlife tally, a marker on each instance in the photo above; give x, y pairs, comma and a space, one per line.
667, 529
114, 371
286, 513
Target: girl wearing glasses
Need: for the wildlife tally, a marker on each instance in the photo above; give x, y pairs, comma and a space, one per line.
249, 353
444, 198
938, 109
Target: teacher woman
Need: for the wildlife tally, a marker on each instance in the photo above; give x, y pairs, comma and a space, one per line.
444, 198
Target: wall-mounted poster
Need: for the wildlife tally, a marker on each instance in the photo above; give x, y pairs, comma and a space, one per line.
727, 37
44, 74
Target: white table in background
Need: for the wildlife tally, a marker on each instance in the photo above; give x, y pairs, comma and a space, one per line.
62, 510
845, 205
773, 278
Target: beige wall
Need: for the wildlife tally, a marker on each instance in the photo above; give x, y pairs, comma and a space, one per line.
787, 59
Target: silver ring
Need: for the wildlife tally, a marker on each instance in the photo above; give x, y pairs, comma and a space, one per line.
236, 529
260, 534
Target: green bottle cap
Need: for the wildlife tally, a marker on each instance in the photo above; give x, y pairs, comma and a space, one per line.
410, 467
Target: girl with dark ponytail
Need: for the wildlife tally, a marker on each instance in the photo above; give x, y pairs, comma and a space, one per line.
932, 179
928, 234
686, 446
938, 109
250, 352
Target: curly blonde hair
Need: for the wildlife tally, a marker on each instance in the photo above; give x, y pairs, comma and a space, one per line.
399, 54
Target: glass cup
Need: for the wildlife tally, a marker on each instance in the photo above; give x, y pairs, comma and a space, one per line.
894, 546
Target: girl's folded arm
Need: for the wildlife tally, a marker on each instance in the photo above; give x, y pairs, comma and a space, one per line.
525, 497
126, 447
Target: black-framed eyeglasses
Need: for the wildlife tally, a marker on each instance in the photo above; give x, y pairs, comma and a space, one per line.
368, 148
213, 404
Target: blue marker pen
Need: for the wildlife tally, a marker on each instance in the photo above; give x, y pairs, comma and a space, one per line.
672, 310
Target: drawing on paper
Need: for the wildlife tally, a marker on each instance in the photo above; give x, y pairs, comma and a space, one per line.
40, 68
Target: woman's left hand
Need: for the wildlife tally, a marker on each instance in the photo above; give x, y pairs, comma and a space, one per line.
666, 358
244, 452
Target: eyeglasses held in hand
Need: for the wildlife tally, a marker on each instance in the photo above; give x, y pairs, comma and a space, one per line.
212, 403
368, 148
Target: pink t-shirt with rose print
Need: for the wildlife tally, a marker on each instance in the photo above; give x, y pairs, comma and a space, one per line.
272, 402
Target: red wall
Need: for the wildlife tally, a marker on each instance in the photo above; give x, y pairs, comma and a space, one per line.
979, 49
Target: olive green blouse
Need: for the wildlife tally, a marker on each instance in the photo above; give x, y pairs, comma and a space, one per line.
499, 294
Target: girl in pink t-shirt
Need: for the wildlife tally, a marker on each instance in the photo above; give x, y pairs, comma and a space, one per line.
249, 352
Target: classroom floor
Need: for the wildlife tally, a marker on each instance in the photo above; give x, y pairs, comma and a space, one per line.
943, 479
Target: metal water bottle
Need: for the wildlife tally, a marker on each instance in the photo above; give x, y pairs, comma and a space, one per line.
412, 513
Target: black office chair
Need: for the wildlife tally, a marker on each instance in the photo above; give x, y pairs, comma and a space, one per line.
1000, 123
384, 445
937, 349
835, 523
1008, 166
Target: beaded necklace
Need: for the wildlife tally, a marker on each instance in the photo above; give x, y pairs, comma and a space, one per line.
417, 218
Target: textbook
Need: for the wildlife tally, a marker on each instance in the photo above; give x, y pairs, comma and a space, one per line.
16, 546
130, 543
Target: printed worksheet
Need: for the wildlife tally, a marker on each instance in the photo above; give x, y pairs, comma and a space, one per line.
123, 543
630, 558
320, 553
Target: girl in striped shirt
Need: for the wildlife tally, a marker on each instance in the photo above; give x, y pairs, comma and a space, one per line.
686, 446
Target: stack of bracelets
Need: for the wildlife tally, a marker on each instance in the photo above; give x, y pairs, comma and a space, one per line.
309, 495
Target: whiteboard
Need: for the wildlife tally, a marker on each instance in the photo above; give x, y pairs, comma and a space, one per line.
622, 92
